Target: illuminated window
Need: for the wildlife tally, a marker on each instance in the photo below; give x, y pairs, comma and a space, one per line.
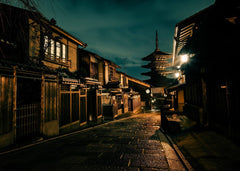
161, 67
58, 50
46, 48
52, 48
55, 51
64, 53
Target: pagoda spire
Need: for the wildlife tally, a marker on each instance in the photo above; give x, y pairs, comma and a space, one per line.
157, 49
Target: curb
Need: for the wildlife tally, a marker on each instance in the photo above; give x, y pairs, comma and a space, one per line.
176, 161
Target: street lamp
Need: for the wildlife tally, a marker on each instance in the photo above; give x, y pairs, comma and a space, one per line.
177, 74
147, 91
184, 58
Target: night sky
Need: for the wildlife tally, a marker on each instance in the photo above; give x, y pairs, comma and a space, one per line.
122, 30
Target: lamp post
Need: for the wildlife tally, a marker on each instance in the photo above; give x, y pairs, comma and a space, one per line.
184, 65
148, 92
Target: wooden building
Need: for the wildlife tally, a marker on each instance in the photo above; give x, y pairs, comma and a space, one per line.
205, 52
98, 73
141, 97
39, 93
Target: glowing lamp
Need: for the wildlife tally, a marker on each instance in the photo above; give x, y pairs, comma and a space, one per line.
177, 75
184, 58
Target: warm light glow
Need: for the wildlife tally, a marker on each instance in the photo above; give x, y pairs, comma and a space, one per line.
184, 58
177, 75
147, 91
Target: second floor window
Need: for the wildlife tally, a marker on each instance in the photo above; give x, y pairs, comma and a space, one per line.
55, 50
93, 67
111, 73
45, 47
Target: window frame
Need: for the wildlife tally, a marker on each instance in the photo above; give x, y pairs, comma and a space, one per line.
55, 51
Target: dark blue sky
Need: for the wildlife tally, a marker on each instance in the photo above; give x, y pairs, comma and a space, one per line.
122, 30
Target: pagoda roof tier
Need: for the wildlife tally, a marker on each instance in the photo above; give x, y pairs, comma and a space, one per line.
156, 72
162, 81
150, 73
156, 64
157, 54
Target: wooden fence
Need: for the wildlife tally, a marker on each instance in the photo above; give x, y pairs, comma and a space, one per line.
99, 102
18, 116
6, 104
73, 104
51, 100
28, 120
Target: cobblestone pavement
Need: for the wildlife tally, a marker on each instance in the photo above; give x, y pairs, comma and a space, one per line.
126, 144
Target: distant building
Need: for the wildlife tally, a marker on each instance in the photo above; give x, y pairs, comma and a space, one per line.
112, 91
158, 66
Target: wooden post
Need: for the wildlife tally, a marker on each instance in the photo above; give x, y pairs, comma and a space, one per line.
79, 105
100, 93
42, 104
86, 111
70, 104
97, 105
58, 98
14, 121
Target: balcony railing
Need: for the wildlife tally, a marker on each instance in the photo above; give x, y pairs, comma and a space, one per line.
94, 75
52, 59
57, 60
113, 79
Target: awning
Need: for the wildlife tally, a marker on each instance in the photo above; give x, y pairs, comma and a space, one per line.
92, 81
72, 81
112, 84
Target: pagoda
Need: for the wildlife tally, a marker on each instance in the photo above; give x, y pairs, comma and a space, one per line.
158, 65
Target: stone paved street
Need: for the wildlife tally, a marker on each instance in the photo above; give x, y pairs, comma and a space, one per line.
127, 144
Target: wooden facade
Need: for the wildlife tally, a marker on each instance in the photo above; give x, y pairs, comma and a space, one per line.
36, 56
73, 108
140, 87
6, 103
7, 106
208, 39
91, 68
24, 111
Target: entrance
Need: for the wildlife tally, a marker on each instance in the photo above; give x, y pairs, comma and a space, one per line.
28, 112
